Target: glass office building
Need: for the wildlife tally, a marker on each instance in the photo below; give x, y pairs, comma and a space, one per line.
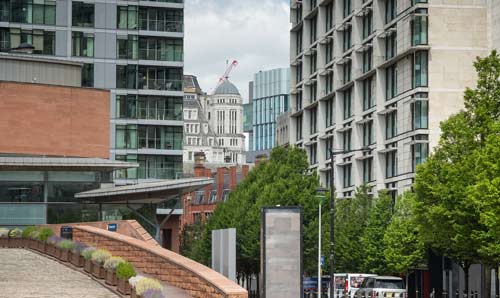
270, 99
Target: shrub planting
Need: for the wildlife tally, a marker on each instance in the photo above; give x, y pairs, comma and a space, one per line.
153, 293
87, 252
100, 256
112, 263
147, 284
125, 270
45, 233
78, 247
66, 244
4, 233
27, 231
15, 233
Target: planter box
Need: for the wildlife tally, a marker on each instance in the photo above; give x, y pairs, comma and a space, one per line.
111, 278
64, 255
50, 249
4, 242
57, 252
77, 260
15, 242
134, 294
42, 247
98, 271
33, 244
87, 266
25, 242
123, 287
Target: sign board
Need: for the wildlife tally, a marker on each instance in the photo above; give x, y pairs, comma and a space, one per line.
224, 252
66, 232
112, 227
281, 252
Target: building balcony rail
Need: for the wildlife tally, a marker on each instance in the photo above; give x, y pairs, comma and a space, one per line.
159, 114
162, 1
160, 84
161, 25
148, 54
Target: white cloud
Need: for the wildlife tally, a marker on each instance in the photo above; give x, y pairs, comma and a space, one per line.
254, 32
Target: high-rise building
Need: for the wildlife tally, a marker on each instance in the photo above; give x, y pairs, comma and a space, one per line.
269, 99
134, 49
380, 75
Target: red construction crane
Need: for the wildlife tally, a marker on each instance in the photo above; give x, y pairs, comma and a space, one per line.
225, 76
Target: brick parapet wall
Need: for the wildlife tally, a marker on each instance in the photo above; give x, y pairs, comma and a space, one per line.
196, 279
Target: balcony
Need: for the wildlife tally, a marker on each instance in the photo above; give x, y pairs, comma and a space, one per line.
161, 25
160, 84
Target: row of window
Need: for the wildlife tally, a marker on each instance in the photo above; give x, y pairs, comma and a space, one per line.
148, 107
149, 77
151, 167
83, 15
131, 136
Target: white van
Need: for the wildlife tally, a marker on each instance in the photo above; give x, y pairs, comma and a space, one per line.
348, 283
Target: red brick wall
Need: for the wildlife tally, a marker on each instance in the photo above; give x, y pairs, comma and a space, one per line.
196, 279
53, 120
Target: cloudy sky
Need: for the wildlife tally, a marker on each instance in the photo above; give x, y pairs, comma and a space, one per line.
254, 32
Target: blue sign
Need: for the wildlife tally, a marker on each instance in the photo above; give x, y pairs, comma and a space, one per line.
112, 227
322, 261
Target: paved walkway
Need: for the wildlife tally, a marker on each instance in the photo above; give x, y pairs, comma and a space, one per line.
24, 274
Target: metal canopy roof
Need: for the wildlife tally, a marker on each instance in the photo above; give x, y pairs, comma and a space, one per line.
62, 164
150, 192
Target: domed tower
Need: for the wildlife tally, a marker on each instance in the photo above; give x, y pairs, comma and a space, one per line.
225, 114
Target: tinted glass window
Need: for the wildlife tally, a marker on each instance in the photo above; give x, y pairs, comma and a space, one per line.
389, 284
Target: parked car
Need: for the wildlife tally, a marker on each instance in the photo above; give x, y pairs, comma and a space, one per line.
382, 286
348, 283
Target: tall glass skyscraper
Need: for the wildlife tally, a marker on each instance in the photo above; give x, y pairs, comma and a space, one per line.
270, 98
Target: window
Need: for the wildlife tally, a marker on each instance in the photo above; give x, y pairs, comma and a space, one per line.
40, 12
313, 121
88, 75
347, 8
347, 175
367, 170
159, 19
391, 125
313, 30
126, 76
328, 148
313, 92
161, 137
159, 167
299, 128
127, 47
419, 110
391, 164
42, 41
127, 17
126, 136
368, 133
420, 150
390, 10
298, 72
160, 49
391, 45
329, 52
420, 70
391, 84
159, 108
83, 44
313, 62
347, 72
347, 39
298, 100
329, 17
367, 60
329, 83
313, 154
329, 113
368, 100
419, 27
348, 104
298, 43
83, 14
346, 140
367, 24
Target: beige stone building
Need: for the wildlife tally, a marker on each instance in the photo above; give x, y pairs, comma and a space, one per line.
381, 75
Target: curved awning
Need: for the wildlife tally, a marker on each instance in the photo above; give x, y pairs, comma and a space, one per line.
149, 192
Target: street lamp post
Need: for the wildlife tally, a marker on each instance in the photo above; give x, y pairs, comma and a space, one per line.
321, 196
333, 153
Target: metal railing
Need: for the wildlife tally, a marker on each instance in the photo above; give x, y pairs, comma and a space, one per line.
159, 114
147, 54
161, 25
160, 84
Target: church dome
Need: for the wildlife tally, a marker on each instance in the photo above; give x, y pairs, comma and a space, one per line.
226, 88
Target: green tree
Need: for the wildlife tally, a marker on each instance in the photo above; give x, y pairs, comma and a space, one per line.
451, 220
403, 246
282, 180
350, 221
372, 238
